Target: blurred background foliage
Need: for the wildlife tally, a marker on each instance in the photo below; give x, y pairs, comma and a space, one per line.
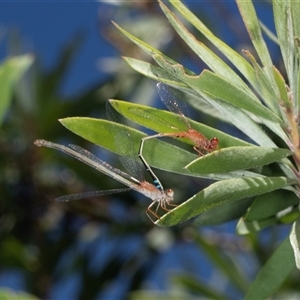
104, 248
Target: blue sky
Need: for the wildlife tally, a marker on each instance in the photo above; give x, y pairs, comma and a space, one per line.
45, 27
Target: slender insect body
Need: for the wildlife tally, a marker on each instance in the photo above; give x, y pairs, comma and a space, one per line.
158, 196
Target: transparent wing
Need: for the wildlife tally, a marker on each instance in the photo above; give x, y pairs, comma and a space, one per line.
172, 103
123, 141
92, 194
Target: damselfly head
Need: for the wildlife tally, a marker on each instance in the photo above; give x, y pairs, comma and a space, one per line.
169, 193
214, 143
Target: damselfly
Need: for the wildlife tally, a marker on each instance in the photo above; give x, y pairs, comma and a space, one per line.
201, 143
162, 198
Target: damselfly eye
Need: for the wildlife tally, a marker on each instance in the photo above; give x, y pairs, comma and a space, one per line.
214, 142
170, 193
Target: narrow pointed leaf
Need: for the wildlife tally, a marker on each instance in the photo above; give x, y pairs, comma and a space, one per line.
98, 131
295, 85
220, 193
268, 32
295, 9
251, 21
282, 87
241, 120
297, 101
163, 121
159, 74
153, 72
236, 158
216, 86
267, 89
237, 60
284, 29
144, 46
211, 59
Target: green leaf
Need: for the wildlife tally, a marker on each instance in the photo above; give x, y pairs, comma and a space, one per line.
219, 92
159, 74
295, 241
8, 294
153, 72
223, 213
245, 227
199, 102
297, 102
268, 205
268, 33
236, 158
268, 209
210, 58
13, 254
289, 216
295, 71
99, 131
220, 193
266, 88
236, 59
144, 46
251, 21
285, 32
241, 120
163, 121
156, 152
273, 274
295, 9
282, 87
216, 86
10, 72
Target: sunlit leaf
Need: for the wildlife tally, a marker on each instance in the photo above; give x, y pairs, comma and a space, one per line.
251, 21
237, 60
163, 121
213, 61
236, 158
7, 294
99, 131
10, 72
220, 193
216, 86
284, 29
